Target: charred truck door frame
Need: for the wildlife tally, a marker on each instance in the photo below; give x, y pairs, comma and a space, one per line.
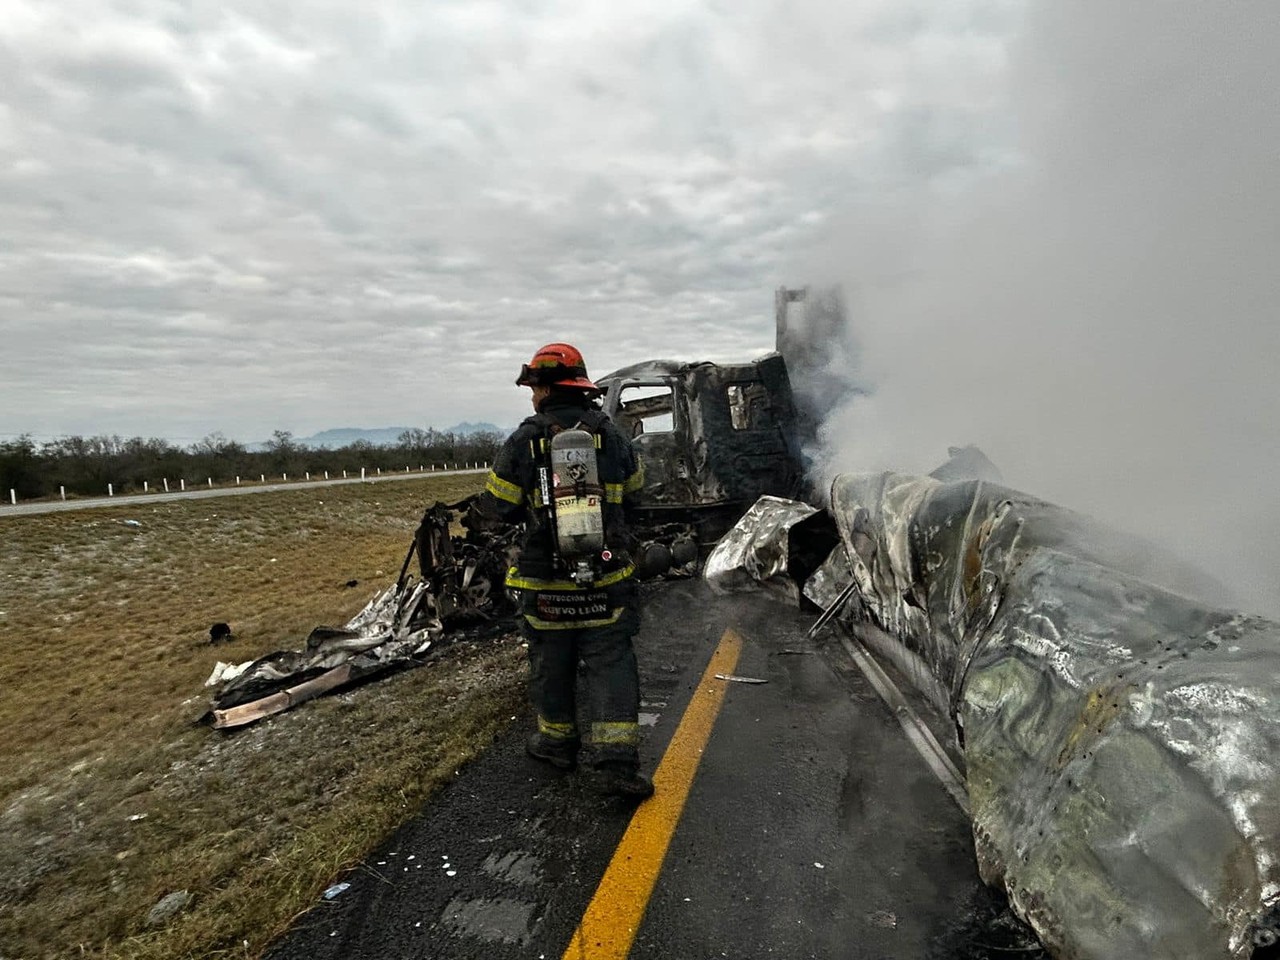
731, 439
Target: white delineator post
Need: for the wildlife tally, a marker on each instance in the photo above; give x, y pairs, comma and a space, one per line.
183, 484
146, 488
211, 483
362, 473
166, 484
13, 496
62, 492
110, 492
326, 474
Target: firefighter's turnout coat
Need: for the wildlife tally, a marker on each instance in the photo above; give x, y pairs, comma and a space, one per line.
566, 621
516, 496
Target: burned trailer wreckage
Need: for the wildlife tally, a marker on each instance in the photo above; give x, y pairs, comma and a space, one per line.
1121, 741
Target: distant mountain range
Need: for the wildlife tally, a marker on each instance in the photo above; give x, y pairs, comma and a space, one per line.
379, 436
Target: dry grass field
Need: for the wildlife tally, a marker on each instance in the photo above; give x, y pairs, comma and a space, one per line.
111, 797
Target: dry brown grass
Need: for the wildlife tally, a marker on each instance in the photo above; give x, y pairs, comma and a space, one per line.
103, 653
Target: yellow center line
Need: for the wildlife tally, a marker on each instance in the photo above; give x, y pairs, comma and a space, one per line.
613, 916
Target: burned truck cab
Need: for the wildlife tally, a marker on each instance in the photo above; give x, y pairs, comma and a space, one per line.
712, 439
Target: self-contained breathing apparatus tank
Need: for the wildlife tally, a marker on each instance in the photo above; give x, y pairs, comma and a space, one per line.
577, 502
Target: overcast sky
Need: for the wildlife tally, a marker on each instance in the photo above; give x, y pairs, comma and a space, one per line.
244, 216
1058, 224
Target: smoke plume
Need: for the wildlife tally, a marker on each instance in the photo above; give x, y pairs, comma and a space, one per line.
1100, 316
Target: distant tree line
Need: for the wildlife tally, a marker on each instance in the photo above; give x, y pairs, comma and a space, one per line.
85, 465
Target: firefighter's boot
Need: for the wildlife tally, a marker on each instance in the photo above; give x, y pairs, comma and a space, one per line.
622, 780
560, 753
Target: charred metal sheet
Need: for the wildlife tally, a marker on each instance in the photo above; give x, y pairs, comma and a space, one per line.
967, 463
1122, 741
754, 553
777, 544
458, 592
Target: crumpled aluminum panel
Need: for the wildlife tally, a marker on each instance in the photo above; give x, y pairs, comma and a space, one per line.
755, 552
1122, 741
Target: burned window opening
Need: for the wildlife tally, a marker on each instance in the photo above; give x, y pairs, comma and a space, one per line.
749, 406
647, 409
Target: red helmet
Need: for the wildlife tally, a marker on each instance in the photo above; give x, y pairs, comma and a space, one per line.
556, 365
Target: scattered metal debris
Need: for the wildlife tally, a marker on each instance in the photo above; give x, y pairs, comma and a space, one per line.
336, 890
458, 592
734, 678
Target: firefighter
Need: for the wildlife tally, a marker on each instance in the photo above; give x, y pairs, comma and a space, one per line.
570, 475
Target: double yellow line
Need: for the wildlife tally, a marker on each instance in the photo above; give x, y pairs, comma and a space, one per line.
609, 925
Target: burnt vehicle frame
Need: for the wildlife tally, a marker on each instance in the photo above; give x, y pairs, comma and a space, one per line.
712, 438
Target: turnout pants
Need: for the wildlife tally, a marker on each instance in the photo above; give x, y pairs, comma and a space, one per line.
610, 689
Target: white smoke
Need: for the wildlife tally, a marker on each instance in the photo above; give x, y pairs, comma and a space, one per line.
1102, 317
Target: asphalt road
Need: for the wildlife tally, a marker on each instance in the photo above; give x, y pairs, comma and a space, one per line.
8, 509
811, 827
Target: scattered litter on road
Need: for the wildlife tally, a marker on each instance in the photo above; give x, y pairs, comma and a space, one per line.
137, 816
412, 856
131, 523
335, 890
820, 866
734, 678
795, 653
451, 873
